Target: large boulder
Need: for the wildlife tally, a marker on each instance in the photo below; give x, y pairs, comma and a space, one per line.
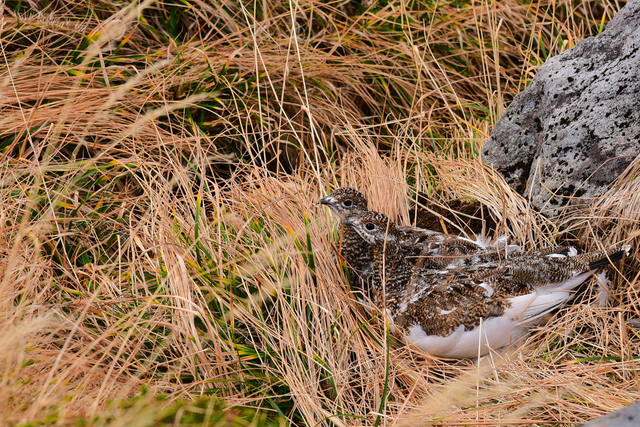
625, 417
577, 126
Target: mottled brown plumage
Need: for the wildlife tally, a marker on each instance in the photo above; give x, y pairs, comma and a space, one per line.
428, 249
356, 253
461, 312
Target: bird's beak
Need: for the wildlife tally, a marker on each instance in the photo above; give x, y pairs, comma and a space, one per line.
328, 200
349, 222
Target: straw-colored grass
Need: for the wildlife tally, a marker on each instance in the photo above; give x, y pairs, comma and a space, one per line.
164, 255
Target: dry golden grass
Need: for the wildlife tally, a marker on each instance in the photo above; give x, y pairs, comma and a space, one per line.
161, 170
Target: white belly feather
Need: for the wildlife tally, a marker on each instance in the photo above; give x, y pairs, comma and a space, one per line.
495, 332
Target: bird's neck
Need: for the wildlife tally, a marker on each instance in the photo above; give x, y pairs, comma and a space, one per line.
393, 268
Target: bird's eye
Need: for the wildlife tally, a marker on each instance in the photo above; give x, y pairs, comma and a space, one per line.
348, 203
370, 226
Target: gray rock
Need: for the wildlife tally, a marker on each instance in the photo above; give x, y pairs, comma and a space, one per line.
577, 126
625, 417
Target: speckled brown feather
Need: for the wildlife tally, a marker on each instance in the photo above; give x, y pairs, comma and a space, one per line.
440, 301
425, 248
354, 250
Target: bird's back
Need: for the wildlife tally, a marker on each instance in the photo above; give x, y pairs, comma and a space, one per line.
442, 310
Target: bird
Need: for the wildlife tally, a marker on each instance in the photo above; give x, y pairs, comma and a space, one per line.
421, 246
356, 252
467, 311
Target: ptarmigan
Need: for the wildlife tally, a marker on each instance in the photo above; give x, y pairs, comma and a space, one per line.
465, 312
424, 247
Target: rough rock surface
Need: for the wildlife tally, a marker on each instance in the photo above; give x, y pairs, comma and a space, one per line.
625, 417
577, 126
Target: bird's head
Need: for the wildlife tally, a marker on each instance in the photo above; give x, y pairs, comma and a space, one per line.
346, 202
373, 227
